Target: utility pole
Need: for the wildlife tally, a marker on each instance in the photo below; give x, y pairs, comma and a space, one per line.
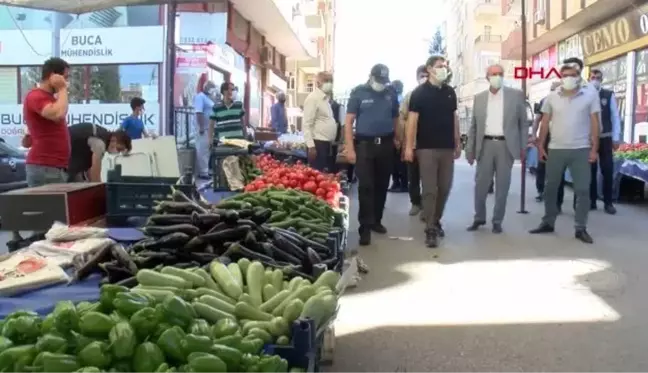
523, 22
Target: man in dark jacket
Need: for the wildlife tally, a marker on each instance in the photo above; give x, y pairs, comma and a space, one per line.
88, 143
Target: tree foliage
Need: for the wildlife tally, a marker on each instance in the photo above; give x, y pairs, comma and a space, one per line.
437, 44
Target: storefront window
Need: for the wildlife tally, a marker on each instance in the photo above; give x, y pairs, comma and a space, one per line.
8, 85
641, 84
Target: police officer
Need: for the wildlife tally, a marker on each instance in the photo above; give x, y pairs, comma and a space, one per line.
374, 108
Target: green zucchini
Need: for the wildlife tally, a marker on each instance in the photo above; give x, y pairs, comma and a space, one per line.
149, 277
195, 279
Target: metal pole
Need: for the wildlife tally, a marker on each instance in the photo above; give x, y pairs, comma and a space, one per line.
523, 22
171, 62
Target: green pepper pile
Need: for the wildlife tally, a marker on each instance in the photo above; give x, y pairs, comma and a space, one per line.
175, 320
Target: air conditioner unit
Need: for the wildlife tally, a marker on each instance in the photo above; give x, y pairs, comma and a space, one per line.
539, 17
266, 55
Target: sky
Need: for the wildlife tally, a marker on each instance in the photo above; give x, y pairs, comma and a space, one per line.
395, 33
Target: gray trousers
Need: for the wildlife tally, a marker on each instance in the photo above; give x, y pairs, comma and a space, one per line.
437, 171
576, 160
495, 160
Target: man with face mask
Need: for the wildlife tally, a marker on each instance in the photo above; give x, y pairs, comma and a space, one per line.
433, 125
608, 142
571, 114
399, 174
497, 137
319, 124
413, 172
278, 117
374, 109
203, 105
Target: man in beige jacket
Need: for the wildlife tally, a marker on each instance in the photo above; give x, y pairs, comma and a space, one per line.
413, 171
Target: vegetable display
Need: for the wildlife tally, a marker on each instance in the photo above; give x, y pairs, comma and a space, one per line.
177, 320
248, 169
635, 152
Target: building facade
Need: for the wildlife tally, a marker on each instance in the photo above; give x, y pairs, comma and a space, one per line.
474, 33
121, 52
611, 36
319, 16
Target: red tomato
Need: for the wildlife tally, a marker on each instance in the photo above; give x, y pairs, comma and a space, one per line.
319, 178
250, 188
324, 184
330, 195
310, 187
320, 192
293, 183
281, 186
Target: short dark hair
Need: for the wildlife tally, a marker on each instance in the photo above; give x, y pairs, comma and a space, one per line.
420, 70
54, 65
597, 72
433, 60
122, 137
574, 60
137, 102
225, 86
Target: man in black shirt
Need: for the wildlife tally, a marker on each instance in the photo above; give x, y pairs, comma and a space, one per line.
433, 125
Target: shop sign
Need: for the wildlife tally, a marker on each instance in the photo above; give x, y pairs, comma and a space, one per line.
570, 47
109, 116
541, 65
202, 28
191, 62
277, 82
26, 47
113, 45
622, 30
221, 56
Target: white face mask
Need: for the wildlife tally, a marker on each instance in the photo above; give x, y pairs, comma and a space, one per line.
441, 73
378, 87
596, 84
327, 87
495, 81
569, 82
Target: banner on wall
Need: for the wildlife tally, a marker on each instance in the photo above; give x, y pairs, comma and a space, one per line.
26, 47
109, 116
191, 62
113, 45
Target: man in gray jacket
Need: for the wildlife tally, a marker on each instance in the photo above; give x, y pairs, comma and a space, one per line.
497, 137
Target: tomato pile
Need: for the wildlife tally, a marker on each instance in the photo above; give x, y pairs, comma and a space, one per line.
299, 176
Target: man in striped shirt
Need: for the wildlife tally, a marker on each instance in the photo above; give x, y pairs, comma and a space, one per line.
227, 118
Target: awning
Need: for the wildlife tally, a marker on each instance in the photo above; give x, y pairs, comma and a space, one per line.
264, 15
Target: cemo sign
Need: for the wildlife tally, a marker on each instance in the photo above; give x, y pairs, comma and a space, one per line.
526, 73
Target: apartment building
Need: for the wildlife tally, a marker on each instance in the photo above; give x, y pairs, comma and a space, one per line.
320, 21
474, 33
608, 35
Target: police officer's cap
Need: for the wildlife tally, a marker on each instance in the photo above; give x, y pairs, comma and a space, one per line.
380, 73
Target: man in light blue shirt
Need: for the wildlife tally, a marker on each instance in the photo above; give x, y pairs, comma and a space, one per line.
203, 105
609, 140
571, 114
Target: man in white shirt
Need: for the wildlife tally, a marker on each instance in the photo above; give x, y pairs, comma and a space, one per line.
497, 137
319, 124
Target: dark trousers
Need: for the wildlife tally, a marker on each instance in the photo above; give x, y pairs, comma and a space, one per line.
374, 160
414, 187
324, 157
437, 171
350, 171
541, 172
399, 172
606, 163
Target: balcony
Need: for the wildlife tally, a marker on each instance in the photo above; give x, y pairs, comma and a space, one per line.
488, 42
488, 8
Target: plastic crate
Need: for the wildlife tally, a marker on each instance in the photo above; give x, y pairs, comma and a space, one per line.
219, 154
304, 349
135, 196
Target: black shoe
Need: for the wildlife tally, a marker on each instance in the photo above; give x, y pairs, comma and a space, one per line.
610, 209
539, 198
592, 206
497, 228
431, 240
394, 188
365, 237
542, 228
583, 236
439, 230
475, 225
559, 210
379, 228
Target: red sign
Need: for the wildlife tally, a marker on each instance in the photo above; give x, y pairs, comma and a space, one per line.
527, 73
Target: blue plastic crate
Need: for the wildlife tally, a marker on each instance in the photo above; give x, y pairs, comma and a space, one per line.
304, 349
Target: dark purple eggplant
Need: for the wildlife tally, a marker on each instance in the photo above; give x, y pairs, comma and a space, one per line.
202, 258
236, 249
177, 208
115, 272
91, 265
245, 214
119, 253
218, 227
261, 216
290, 248
144, 245
159, 231
195, 244
230, 234
129, 282
230, 217
178, 195
313, 257
266, 248
171, 240
282, 254
186, 265
168, 219
205, 221
150, 259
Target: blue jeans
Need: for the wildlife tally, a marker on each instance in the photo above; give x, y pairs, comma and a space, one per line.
38, 175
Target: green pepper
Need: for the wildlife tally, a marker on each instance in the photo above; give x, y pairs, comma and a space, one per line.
88, 370
129, 303
51, 343
231, 356
145, 321
148, 357
19, 313
161, 328
5, 343
196, 343
65, 317
178, 312
206, 363
170, 341
78, 342
15, 359
269, 364
51, 362
95, 324
83, 306
283, 366
22, 329
251, 345
48, 324
233, 340
96, 354
107, 295
122, 366
224, 327
122, 340
117, 317
164, 367
200, 327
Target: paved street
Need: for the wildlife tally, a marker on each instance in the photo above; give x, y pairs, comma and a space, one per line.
499, 303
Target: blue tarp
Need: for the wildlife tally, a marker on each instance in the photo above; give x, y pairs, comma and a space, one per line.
43, 300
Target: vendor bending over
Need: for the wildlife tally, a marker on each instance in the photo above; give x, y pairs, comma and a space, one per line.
88, 144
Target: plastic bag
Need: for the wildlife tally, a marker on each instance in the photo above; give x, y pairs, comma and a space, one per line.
233, 173
63, 233
63, 253
24, 272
